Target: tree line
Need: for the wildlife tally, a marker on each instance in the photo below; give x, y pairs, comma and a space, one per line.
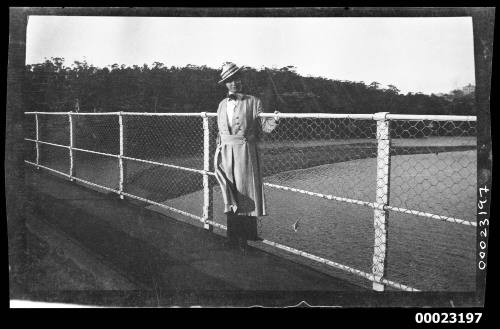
55, 86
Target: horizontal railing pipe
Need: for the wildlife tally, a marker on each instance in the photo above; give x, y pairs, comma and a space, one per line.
199, 171
95, 152
431, 117
74, 113
373, 205
433, 216
47, 168
162, 114
345, 268
317, 116
96, 113
49, 113
47, 143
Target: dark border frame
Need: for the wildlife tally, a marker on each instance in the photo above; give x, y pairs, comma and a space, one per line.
483, 28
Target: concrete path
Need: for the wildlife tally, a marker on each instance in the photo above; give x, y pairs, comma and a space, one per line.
167, 260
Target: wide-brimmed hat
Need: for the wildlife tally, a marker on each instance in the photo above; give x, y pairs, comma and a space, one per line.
228, 70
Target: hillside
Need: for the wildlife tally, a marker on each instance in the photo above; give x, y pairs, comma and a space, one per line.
55, 86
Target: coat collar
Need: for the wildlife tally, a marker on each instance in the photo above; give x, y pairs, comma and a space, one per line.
240, 96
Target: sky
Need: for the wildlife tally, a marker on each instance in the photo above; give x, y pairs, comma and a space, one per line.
428, 55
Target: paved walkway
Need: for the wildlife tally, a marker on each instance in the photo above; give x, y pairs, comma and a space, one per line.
167, 260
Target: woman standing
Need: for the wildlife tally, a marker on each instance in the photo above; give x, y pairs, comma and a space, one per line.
237, 160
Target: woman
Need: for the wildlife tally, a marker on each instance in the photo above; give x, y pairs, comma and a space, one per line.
237, 159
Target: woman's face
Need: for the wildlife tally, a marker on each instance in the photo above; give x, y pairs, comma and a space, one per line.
234, 84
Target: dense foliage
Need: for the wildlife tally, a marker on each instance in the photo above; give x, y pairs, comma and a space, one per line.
53, 86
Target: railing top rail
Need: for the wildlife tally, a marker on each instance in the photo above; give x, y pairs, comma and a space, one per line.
189, 114
73, 113
372, 116
49, 113
389, 116
431, 117
99, 113
318, 115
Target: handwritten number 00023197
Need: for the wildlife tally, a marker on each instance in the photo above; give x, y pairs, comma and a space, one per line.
483, 228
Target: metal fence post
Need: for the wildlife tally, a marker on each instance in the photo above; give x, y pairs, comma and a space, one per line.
37, 144
71, 141
120, 159
382, 198
207, 188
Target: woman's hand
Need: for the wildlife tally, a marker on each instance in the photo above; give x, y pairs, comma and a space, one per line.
276, 118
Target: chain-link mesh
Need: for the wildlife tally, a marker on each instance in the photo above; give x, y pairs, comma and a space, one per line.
212, 133
176, 140
29, 126
54, 129
329, 156
433, 167
430, 254
322, 227
160, 184
96, 134
96, 168
99, 133
171, 140
30, 151
54, 157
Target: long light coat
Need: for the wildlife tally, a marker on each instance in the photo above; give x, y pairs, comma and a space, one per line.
237, 160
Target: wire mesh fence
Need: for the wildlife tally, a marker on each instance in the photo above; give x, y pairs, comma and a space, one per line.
54, 157
159, 184
431, 160
29, 126
311, 153
96, 133
30, 151
351, 189
432, 255
170, 146
53, 129
169, 139
96, 168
